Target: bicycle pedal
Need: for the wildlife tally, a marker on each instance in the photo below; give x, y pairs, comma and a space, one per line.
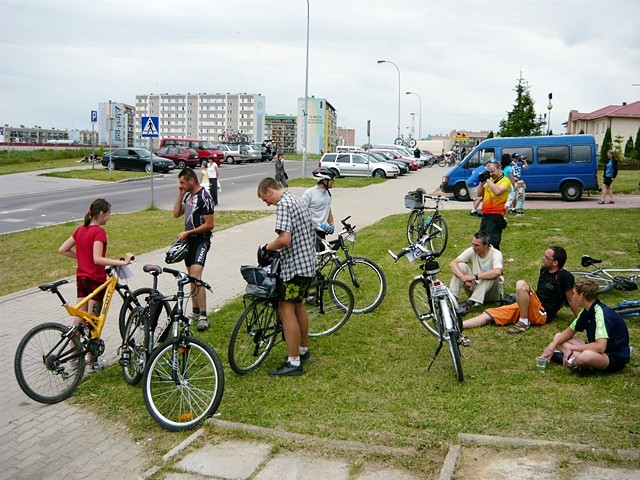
465, 341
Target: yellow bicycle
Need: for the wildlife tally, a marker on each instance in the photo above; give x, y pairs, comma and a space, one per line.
50, 360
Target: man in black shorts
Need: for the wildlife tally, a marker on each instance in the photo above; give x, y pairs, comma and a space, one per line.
297, 246
195, 203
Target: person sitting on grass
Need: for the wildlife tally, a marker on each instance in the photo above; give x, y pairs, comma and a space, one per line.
555, 289
607, 345
479, 270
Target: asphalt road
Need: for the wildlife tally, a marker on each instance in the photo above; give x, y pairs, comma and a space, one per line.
36, 206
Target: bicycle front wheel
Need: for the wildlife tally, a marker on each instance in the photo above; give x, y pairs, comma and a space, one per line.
133, 353
183, 398
419, 300
47, 364
415, 226
253, 336
454, 350
140, 298
329, 306
437, 235
366, 280
604, 284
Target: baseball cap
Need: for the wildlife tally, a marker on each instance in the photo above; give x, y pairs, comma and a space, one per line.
515, 155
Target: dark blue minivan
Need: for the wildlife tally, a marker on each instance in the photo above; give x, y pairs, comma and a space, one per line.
564, 164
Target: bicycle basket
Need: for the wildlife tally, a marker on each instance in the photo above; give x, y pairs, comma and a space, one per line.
259, 283
413, 200
624, 284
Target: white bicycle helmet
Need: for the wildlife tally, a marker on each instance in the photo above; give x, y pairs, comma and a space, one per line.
177, 252
323, 173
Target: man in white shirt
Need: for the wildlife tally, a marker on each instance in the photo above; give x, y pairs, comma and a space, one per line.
479, 271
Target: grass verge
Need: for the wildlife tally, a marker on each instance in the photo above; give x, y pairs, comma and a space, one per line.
40, 245
369, 381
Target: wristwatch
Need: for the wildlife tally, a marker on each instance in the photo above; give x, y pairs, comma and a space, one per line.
476, 275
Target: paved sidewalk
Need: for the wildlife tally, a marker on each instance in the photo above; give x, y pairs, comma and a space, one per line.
44, 441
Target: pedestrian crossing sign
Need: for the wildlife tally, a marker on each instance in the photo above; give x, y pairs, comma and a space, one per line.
150, 127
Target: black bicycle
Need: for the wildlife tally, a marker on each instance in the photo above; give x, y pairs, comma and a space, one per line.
364, 276
431, 230
183, 380
147, 326
434, 305
259, 328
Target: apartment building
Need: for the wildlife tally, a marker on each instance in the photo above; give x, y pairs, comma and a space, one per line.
322, 126
203, 115
346, 136
281, 129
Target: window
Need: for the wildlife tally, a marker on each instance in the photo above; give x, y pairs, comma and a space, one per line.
359, 159
548, 155
344, 158
581, 154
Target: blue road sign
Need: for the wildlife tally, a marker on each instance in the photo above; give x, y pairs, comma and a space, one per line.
94, 116
150, 127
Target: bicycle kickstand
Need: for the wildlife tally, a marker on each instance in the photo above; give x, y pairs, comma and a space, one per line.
435, 355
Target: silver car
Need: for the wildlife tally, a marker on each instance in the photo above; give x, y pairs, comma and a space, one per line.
356, 165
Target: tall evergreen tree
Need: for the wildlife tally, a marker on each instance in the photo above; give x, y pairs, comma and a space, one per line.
606, 146
521, 121
636, 153
628, 149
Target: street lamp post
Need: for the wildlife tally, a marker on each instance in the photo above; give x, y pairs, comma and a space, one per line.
305, 125
387, 61
420, 118
549, 107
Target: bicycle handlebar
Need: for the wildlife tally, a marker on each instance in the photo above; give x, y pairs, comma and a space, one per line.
156, 270
346, 225
418, 249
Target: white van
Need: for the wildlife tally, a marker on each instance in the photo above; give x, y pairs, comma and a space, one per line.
348, 149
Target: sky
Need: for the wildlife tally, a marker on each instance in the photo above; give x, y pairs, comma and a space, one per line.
59, 59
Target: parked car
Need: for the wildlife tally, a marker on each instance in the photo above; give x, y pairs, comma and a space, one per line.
393, 154
267, 155
402, 167
255, 152
181, 156
205, 148
234, 152
357, 165
136, 159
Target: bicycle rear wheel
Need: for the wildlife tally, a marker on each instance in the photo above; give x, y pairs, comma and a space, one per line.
47, 364
140, 298
368, 283
419, 300
184, 398
415, 226
604, 284
329, 306
454, 350
437, 235
133, 354
253, 336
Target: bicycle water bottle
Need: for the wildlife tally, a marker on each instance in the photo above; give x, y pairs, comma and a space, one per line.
426, 222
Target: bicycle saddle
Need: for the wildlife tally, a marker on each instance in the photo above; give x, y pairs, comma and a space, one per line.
52, 286
587, 261
152, 269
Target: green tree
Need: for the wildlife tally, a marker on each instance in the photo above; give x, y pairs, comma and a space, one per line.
617, 147
636, 153
606, 146
628, 149
490, 134
521, 121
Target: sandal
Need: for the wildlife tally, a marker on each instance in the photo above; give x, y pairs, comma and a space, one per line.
600, 202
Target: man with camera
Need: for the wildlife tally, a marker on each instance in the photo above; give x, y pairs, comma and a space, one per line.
494, 191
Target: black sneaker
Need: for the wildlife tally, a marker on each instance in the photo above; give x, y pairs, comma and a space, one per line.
287, 370
465, 307
557, 357
304, 357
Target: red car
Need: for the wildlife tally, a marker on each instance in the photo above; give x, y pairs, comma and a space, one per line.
392, 154
181, 156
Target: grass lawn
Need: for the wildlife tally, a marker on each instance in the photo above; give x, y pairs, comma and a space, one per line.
369, 381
